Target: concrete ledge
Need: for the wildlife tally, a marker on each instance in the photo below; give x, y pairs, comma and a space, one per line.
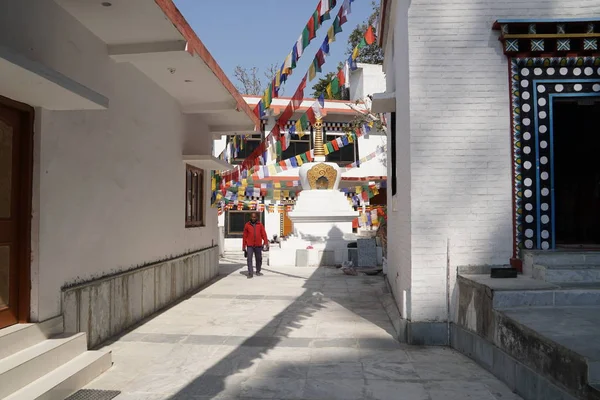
107, 306
518, 377
421, 333
490, 315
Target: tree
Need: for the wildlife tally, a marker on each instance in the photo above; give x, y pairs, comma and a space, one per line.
371, 54
250, 82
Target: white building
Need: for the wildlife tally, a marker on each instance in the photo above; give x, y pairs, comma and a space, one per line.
476, 89
337, 116
103, 104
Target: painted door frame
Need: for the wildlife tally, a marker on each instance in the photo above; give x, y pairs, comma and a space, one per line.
24, 215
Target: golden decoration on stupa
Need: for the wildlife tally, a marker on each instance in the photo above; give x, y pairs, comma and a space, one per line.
319, 148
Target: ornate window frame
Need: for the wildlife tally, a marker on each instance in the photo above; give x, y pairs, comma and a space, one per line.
543, 66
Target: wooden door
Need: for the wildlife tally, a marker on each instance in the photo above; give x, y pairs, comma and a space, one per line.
15, 203
287, 225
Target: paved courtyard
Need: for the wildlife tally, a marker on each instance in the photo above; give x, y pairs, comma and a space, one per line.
294, 333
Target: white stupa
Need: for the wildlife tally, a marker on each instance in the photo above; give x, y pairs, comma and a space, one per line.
322, 216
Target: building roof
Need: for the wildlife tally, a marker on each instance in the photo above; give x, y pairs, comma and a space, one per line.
332, 107
155, 37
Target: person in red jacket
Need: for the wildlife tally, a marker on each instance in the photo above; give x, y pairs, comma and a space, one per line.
254, 237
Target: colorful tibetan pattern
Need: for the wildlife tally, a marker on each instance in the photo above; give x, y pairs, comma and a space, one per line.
590, 44
563, 44
537, 45
535, 82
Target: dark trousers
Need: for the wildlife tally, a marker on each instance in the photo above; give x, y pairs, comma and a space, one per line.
257, 252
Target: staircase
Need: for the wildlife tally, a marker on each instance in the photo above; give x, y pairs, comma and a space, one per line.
40, 361
537, 332
565, 268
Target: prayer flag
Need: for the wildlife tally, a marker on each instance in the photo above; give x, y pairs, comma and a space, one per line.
335, 145
337, 27
323, 7
335, 85
325, 46
305, 39
363, 43
312, 72
331, 34
341, 77
320, 57
342, 16
316, 108
370, 36
310, 115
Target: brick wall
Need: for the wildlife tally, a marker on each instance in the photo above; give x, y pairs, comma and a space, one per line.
460, 149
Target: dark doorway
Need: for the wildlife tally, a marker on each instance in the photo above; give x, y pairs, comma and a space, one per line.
16, 164
577, 171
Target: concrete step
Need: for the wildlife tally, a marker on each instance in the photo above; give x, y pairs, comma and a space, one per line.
22, 368
539, 338
20, 336
66, 379
561, 257
567, 273
559, 297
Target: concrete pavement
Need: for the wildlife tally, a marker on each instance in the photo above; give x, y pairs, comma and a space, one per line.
294, 333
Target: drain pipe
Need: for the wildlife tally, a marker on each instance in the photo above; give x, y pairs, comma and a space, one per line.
448, 289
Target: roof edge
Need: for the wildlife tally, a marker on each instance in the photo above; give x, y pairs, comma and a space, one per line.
195, 44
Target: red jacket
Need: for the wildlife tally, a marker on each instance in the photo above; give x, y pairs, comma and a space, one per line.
254, 235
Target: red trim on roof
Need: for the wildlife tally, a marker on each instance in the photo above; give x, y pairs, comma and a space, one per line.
382, 20
196, 45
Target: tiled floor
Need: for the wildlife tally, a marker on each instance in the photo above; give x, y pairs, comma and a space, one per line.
295, 333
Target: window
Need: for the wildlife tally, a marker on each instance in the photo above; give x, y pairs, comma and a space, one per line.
236, 220
249, 146
393, 140
345, 155
194, 203
297, 146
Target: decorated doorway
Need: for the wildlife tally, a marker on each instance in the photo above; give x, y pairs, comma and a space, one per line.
555, 89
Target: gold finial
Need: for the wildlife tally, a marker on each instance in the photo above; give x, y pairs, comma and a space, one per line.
319, 148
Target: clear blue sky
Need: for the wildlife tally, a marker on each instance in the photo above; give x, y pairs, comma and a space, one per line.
262, 32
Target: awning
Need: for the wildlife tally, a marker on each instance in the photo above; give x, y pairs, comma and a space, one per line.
384, 102
207, 162
154, 37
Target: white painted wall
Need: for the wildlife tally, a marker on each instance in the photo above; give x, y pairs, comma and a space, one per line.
396, 69
366, 80
110, 185
455, 184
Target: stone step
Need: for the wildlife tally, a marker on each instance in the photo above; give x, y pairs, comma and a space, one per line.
539, 338
559, 297
525, 336
567, 273
22, 368
20, 336
552, 258
66, 379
